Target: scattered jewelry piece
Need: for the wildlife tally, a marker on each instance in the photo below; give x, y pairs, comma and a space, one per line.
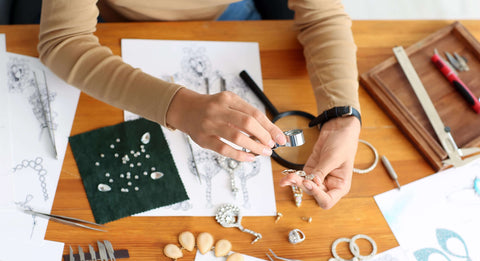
296, 236
297, 195
117, 140
147, 156
204, 242
124, 190
136, 188
308, 219
136, 176
187, 240
145, 138
279, 215
107, 174
375, 161
102, 155
104, 187
156, 175
228, 215
353, 248
122, 176
110, 180
129, 183
112, 146
116, 155
97, 163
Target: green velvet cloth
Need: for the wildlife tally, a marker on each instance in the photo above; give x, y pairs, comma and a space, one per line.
101, 159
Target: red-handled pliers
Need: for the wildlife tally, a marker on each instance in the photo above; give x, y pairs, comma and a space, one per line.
452, 77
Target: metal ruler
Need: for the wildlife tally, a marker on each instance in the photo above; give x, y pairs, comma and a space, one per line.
443, 133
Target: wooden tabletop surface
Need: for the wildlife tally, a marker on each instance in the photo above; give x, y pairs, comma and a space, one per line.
286, 83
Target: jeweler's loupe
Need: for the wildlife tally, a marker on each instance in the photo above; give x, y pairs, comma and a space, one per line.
300, 137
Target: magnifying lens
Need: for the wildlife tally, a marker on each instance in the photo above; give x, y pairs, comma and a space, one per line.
294, 124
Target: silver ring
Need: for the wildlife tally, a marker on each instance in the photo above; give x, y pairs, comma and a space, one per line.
334, 248
296, 236
355, 249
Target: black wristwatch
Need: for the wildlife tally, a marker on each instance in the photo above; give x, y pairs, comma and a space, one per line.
335, 112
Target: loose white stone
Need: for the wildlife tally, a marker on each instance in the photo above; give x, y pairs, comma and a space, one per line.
145, 138
104, 187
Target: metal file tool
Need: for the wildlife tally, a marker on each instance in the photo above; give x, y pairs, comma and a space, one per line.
454, 153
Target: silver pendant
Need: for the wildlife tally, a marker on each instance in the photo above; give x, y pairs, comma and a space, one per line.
228, 215
230, 165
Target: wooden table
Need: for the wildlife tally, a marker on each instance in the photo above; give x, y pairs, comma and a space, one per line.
285, 80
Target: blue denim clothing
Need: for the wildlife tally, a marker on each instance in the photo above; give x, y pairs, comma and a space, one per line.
243, 10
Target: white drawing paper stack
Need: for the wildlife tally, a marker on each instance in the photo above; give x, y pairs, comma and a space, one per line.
201, 66
28, 163
437, 217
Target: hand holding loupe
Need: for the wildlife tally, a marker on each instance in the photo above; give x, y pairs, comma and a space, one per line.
296, 151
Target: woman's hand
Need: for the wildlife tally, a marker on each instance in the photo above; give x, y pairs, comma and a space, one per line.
207, 118
331, 162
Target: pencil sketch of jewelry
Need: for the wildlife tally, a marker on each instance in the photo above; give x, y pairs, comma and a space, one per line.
206, 168
196, 69
36, 165
40, 101
26, 206
247, 171
19, 75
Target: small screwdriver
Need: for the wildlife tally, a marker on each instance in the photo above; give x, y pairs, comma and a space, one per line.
390, 170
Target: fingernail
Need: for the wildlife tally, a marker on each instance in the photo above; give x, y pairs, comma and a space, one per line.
281, 139
267, 151
307, 185
250, 157
271, 143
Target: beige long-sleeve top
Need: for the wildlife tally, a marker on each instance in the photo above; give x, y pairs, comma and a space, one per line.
70, 49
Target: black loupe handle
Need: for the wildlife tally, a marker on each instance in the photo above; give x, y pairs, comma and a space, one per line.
254, 87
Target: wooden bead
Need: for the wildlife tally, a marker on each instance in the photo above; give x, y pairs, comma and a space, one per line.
235, 257
187, 240
204, 242
222, 247
172, 251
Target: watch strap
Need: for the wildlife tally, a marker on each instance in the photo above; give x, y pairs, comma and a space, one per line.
335, 112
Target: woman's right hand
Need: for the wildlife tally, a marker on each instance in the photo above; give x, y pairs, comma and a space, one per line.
207, 118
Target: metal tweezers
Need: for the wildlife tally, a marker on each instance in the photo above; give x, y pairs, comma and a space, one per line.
65, 220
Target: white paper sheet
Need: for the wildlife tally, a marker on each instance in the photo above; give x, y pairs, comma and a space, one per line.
426, 214
35, 169
210, 256
27, 250
5, 151
188, 63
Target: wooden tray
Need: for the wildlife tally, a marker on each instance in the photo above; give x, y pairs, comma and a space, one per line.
389, 87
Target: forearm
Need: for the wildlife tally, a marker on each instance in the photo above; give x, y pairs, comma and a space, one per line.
70, 49
329, 48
